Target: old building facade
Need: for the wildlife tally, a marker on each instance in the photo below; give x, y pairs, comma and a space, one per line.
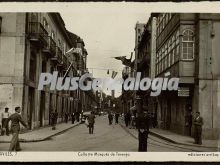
32, 43
186, 47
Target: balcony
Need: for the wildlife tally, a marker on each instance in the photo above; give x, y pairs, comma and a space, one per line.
65, 62
50, 49
58, 56
37, 33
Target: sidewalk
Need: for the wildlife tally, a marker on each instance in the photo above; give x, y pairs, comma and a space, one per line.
175, 138
40, 134
181, 139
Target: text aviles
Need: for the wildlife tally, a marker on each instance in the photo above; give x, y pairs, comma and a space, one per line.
86, 82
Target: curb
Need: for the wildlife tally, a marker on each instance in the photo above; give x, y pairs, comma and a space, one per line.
162, 137
43, 139
175, 142
172, 141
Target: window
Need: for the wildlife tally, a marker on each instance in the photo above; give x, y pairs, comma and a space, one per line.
52, 35
139, 38
0, 24
173, 42
59, 43
34, 17
188, 45
167, 17
64, 47
168, 60
163, 52
177, 37
177, 53
45, 24
165, 62
169, 46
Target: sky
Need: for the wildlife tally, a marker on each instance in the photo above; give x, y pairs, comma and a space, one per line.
107, 31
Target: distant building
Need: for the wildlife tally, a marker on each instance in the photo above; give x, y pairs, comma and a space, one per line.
145, 60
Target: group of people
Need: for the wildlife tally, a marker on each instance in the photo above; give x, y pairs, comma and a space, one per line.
111, 116
54, 116
75, 116
142, 124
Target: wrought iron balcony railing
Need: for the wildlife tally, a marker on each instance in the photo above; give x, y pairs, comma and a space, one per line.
51, 47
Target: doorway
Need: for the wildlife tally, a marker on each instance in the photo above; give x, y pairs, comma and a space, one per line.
31, 106
42, 108
168, 116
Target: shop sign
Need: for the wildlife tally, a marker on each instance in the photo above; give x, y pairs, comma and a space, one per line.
183, 92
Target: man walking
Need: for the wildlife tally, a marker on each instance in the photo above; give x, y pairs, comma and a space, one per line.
116, 118
91, 121
127, 119
110, 118
66, 117
4, 117
198, 122
16, 119
73, 117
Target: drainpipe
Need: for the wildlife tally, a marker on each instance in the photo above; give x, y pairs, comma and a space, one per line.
212, 36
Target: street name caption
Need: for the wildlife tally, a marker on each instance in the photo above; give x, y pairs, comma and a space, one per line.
103, 154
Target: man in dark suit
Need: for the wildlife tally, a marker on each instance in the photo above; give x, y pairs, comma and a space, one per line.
142, 124
198, 122
91, 121
16, 119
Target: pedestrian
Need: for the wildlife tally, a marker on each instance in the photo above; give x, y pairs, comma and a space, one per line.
4, 118
55, 117
66, 117
73, 117
198, 122
142, 125
91, 122
110, 118
116, 118
52, 120
15, 128
127, 119
132, 121
77, 116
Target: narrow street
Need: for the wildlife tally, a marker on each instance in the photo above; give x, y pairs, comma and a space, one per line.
105, 138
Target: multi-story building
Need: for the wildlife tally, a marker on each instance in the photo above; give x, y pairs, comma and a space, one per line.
175, 54
187, 47
127, 97
32, 43
139, 28
145, 59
